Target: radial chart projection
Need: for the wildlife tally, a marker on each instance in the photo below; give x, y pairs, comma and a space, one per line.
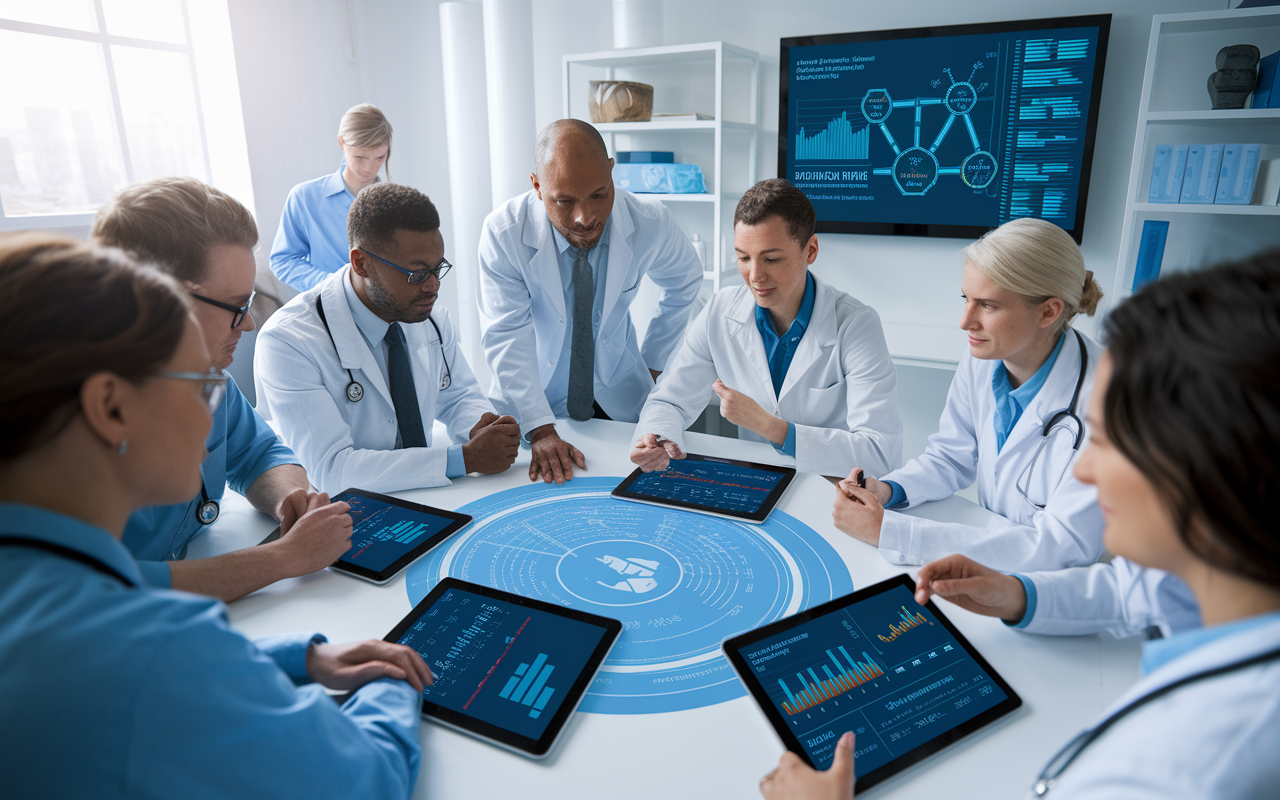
680, 582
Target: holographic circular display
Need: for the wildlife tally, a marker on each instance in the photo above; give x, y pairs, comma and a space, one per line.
679, 581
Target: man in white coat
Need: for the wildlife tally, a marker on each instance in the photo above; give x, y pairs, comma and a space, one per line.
795, 362
354, 371
559, 268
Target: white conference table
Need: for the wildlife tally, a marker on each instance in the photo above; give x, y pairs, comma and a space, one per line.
715, 751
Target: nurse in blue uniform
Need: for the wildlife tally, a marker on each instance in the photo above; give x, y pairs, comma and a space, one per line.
1184, 449
311, 242
110, 688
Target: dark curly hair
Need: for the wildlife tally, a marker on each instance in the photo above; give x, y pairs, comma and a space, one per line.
381, 209
1194, 403
776, 197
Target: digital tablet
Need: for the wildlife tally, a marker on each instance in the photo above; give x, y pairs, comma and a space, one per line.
389, 534
876, 662
509, 670
722, 486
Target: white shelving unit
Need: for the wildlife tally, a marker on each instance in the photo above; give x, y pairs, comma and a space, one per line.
680, 65
1175, 110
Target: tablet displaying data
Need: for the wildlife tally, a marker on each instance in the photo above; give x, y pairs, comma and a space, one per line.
509, 669
740, 489
876, 662
389, 533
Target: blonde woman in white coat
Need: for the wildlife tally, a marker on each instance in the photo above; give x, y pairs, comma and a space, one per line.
795, 362
1011, 422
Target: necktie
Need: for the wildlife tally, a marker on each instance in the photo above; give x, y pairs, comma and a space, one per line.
582, 355
403, 395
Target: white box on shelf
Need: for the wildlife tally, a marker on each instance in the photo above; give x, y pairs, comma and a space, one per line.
1266, 190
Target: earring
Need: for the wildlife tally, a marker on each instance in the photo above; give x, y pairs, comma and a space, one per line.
124, 447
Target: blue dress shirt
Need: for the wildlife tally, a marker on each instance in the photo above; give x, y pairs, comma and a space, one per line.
1010, 403
311, 242
374, 330
1158, 652
241, 447
598, 257
121, 692
779, 350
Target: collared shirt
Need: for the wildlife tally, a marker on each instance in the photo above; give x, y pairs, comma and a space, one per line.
241, 447
598, 257
1011, 402
374, 330
144, 692
1158, 652
779, 350
311, 242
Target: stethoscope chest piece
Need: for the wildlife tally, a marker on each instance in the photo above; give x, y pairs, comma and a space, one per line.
355, 392
208, 512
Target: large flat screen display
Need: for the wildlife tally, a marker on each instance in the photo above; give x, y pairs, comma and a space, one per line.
947, 131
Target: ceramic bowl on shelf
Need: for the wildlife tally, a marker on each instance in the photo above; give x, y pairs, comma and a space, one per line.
620, 101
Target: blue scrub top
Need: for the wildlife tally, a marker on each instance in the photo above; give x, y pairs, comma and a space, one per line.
311, 242
109, 691
241, 447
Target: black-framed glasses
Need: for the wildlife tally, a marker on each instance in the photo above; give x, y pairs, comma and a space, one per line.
213, 384
417, 276
237, 312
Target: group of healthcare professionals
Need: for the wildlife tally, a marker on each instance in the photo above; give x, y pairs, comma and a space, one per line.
1162, 450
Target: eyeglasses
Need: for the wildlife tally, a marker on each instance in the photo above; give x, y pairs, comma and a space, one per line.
417, 276
237, 312
214, 386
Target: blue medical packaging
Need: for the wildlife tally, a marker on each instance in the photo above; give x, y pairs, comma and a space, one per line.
645, 157
1166, 173
1200, 183
1239, 172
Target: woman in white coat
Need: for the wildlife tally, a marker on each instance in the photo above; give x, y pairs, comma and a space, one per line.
1185, 452
1012, 419
794, 362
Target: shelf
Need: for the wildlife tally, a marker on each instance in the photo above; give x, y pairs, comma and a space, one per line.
705, 197
653, 56
1221, 115
681, 125
1207, 208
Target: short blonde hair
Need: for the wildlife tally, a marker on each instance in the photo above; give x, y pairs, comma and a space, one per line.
1038, 261
366, 126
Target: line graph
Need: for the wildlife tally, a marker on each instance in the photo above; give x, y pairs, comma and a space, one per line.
906, 622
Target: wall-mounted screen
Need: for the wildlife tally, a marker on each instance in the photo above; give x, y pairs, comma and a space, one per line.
945, 131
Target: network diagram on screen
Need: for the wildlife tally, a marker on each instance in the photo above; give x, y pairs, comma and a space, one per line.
964, 131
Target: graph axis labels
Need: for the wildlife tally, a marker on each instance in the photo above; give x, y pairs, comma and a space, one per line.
679, 581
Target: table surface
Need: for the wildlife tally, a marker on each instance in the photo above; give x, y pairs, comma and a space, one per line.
716, 751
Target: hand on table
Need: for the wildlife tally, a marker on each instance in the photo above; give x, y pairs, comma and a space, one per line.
974, 587
652, 454
494, 444
313, 537
553, 458
744, 412
351, 665
796, 780
859, 512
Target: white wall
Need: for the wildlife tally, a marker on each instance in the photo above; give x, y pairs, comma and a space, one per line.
912, 282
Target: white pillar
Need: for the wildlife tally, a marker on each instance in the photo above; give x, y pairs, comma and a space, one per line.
466, 119
508, 58
637, 23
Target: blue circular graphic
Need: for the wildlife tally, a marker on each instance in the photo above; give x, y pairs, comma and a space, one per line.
680, 582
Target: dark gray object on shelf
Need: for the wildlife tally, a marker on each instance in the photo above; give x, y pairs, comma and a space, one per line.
1237, 73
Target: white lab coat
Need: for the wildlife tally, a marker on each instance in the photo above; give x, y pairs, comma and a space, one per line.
840, 390
1214, 738
301, 378
1066, 532
1120, 598
523, 313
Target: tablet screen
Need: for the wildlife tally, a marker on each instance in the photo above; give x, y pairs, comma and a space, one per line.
894, 672
736, 488
383, 532
507, 664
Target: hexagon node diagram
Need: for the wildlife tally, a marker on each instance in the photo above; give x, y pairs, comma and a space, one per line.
915, 167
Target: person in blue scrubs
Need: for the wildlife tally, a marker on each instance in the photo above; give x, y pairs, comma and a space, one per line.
311, 242
205, 238
1184, 449
110, 687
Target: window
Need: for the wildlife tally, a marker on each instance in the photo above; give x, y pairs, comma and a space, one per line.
101, 93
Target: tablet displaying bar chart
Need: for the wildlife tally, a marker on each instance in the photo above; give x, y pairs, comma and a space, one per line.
384, 532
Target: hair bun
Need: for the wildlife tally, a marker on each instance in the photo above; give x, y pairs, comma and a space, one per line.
1091, 294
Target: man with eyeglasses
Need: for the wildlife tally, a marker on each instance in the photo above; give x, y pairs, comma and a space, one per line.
355, 370
205, 238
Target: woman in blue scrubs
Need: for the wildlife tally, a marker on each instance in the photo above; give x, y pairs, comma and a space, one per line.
111, 688
311, 242
1184, 449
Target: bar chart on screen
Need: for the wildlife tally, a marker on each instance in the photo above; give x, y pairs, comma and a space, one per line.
847, 677
524, 688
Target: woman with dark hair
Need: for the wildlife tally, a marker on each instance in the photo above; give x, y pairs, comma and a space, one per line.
1185, 454
109, 687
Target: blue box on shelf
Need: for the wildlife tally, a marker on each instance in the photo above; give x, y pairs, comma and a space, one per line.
1264, 91
1200, 183
1166, 173
1239, 172
660, 178
645, 157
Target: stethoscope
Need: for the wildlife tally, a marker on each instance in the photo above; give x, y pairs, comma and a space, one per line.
67, 553
1064, 757
355, 392
1058, 421
208, 510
